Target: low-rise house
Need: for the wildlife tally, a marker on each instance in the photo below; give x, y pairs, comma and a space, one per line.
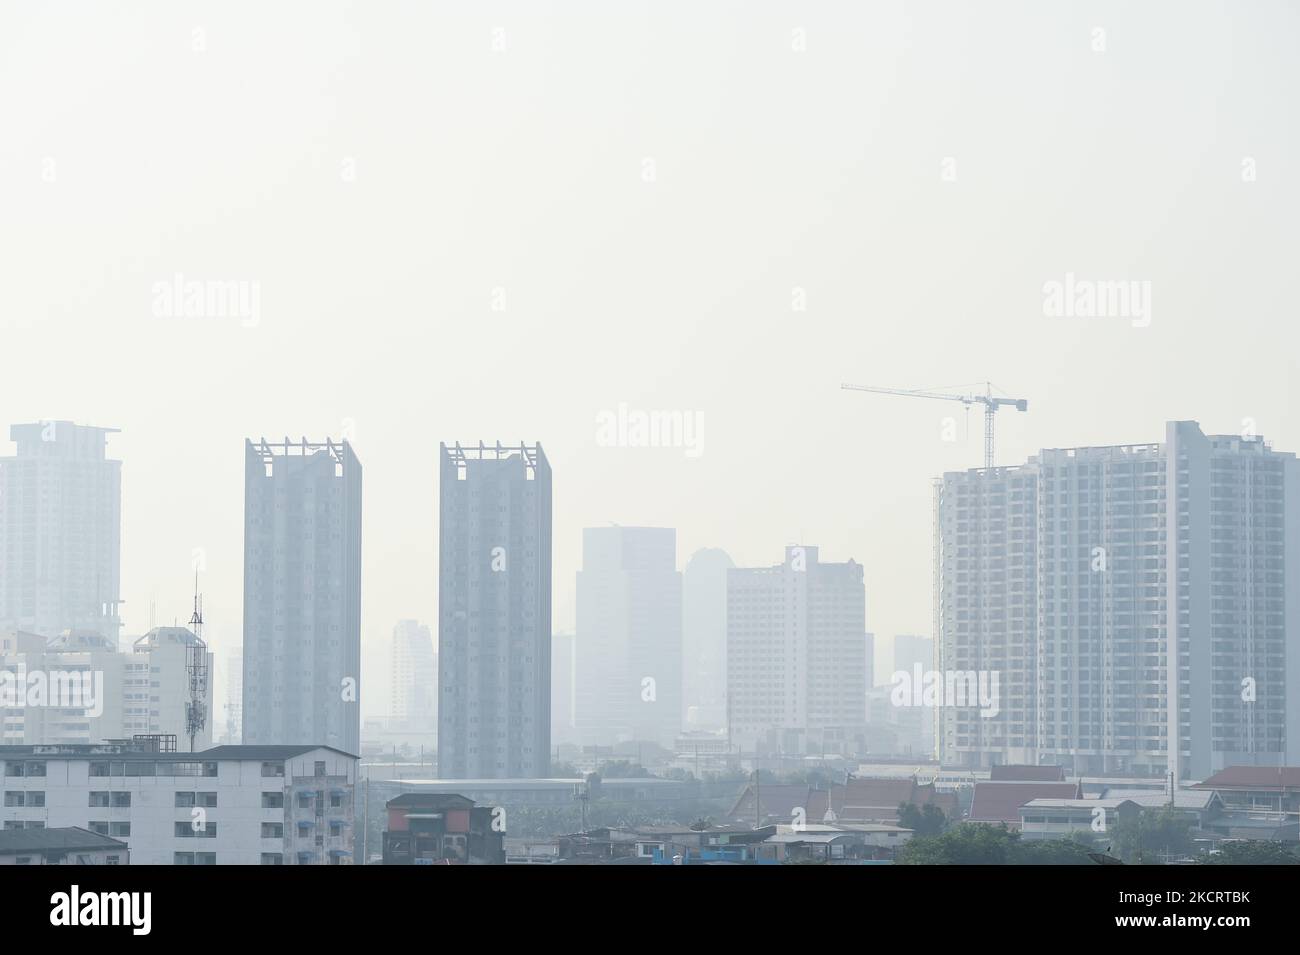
1046, 818
442, 829
62, 846
1257, 802
1001, 801
848, 843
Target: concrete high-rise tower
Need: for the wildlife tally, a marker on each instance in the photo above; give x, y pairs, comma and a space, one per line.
628, 645
704, 639
302, 594
796, 654
494, 612
60, 531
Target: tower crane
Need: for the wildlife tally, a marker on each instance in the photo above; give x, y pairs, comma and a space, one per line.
990, 401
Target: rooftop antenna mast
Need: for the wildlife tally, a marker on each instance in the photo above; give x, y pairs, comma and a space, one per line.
196, 668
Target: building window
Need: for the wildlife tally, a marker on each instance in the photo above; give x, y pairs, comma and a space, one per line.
99, 799
320, 767
272, 800
184, 800
272, 858
272, 830
183, 858
273, 769
121, 800
185, 830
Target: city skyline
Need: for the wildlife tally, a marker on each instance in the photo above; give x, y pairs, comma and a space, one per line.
820, 250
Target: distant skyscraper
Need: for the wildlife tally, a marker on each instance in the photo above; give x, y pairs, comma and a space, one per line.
916, 726
562, 730
494, 612
302, 594
234, 664
704, 639
628, 647
414, 679
1064, 574
796, 654
60, 531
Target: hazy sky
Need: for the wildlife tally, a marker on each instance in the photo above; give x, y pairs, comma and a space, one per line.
498, 220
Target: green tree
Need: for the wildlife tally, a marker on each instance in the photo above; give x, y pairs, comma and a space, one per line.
927, 820
1072, 850
1254, 852
978, 843
1153, 836
970, 843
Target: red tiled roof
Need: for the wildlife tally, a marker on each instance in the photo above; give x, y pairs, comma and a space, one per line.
1028, 774
1001, 801
868, 799
1254, 777
777, 801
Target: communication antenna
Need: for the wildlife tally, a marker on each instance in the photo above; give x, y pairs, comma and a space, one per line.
196, 668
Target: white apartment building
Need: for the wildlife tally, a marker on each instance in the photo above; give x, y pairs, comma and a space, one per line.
60, 531
229, 805
986, 611
139, 693
796, 653
1142, 603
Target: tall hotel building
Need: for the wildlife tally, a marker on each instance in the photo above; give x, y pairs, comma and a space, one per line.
796, 654
60, 531
494, 612
1142, 603
302, 595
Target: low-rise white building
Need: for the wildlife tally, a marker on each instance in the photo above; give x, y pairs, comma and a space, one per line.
144, 692
229, 805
